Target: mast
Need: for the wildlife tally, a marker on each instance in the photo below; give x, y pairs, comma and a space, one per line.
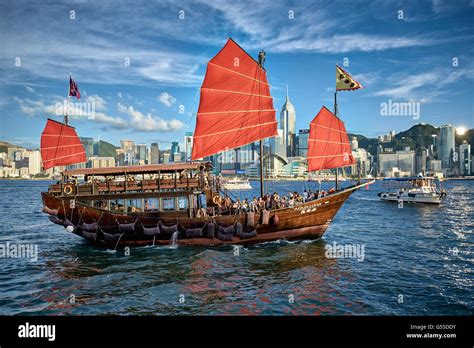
261, 169
335, 113
66, 116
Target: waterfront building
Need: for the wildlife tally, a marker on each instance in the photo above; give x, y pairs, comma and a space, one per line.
174, 149
434, 166
302, 150
88, 144
34, 162
445, 146
363, 162
154, 154
101, 162
141, 153
354, 143
404, 161
465, 158
277, 144
421, 161
127, 145
188, 146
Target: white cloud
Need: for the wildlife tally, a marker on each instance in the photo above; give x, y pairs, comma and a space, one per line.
423, 87
99, 102
29, 89
55, 108
148, 122
166, 99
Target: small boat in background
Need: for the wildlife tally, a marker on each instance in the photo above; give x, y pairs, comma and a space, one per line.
417, 189
236, 184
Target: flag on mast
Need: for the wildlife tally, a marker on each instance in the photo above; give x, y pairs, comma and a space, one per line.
73, 89
344, 81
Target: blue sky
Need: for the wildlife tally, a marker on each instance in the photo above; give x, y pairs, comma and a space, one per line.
407, 59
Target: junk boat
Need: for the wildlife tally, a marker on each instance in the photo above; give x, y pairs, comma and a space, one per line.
236, 184
418, 189
181, 203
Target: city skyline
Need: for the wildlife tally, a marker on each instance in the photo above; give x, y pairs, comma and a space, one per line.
144, 78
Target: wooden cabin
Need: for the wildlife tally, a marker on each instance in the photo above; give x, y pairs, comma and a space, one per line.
179, 189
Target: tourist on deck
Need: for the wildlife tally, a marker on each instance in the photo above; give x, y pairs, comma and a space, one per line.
261, 204
291, 202
254, 205
236, 206
244, 206
332, 190
305, 196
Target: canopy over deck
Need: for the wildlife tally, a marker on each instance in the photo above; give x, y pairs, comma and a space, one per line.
411, 178
143, 169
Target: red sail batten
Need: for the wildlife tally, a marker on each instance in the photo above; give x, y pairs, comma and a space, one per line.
328, 143
60, 145
235, 106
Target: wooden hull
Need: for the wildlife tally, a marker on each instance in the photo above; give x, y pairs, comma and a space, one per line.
306, 221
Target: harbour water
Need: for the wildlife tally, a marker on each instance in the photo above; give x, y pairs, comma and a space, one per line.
417, 260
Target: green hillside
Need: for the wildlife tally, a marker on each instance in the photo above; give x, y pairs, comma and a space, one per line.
4, 146
105, 149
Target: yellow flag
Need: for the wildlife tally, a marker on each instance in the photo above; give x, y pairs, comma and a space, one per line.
344, 80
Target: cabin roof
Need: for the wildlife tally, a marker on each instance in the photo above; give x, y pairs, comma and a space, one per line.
411, 178
149, 168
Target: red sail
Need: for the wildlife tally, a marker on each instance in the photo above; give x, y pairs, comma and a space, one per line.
235, 107
60, 145
328, 144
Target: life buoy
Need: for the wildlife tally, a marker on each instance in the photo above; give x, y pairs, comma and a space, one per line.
67, 190
217, 200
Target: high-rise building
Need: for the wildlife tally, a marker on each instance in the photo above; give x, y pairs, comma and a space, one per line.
101, 162
404, 161
88, 144
188, 146
141, 153
288, 125
354, 143
127, 145
465, 158
421, 161
434, 166
174, 149
154, 154
277, 144
445, 145
34, 162
302, 150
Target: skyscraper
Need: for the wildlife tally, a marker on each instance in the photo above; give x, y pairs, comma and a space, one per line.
445, 145
127, 145
141, 152
303, 135
465, 158
174, 149
88, 144
188, 145
288, 125
154, 154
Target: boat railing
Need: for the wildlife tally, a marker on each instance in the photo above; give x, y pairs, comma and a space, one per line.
114, 187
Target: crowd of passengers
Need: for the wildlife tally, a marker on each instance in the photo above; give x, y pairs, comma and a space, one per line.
269, 202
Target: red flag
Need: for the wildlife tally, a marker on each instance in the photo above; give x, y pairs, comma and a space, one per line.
73, 89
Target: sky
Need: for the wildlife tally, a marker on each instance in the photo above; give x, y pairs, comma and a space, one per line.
141, 63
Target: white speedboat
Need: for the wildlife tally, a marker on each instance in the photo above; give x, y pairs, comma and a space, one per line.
419, 189
236, 184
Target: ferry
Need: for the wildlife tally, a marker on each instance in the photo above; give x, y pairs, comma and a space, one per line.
236, 184
417, 189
